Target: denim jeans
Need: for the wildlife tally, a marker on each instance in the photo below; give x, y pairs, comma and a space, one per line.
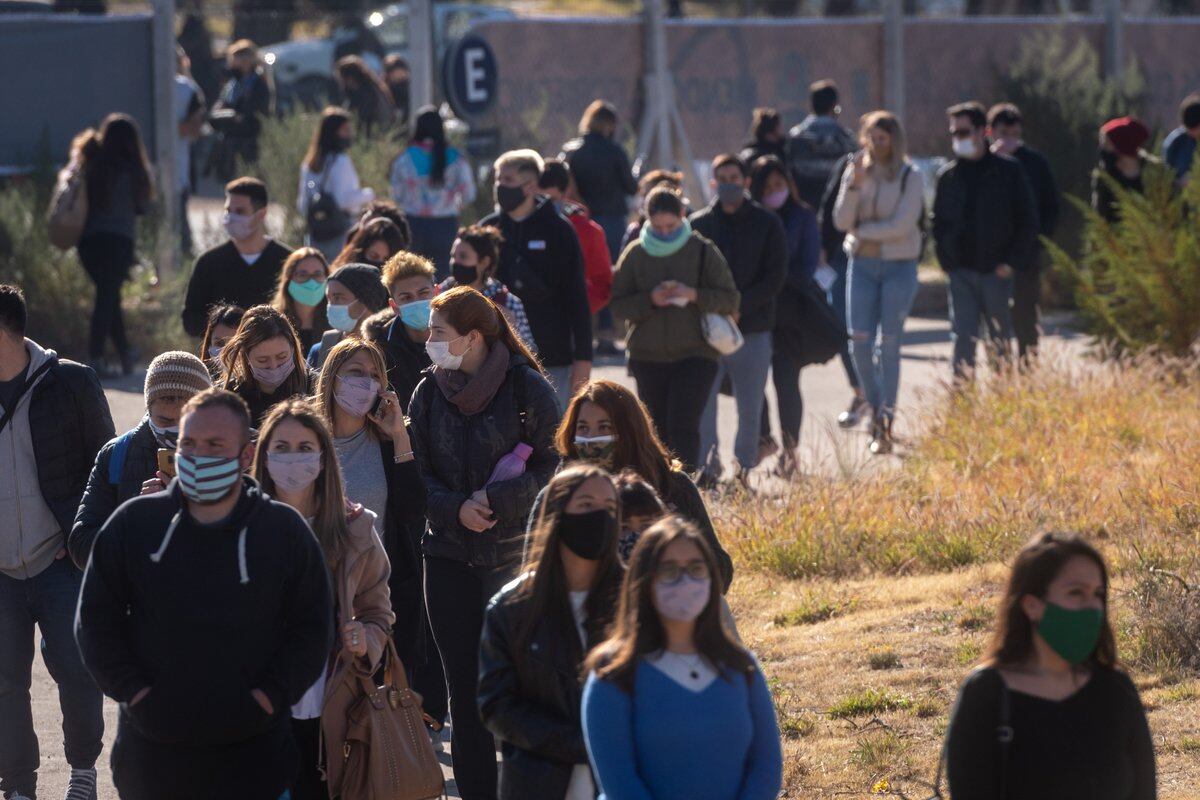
48, 600
879, 295
975, 296
837, 299
560, 381
747, 370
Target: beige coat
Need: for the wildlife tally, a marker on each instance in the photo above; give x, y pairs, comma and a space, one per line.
875, 212
360, 585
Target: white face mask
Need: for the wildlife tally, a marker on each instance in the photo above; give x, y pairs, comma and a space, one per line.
439, 354
963, 148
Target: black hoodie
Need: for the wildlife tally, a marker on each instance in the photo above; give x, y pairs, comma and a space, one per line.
541, 263
203, 615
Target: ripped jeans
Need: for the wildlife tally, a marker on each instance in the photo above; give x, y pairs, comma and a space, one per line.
879, 295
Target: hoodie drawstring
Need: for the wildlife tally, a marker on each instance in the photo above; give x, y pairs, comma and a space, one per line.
242, 557
157, 557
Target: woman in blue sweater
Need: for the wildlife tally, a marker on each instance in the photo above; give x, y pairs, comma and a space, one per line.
674, 708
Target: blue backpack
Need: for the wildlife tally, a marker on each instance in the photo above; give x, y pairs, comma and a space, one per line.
116, 461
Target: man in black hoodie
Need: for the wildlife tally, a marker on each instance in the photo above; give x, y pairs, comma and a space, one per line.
541, 263
206, 613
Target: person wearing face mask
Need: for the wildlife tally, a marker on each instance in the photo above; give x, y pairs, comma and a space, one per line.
352, 293
473, 263
558, 609
607, 425
1123, 160
129, 464
601, 170
881, 207
432, 182
555, 183
541, 262
766, 136
377, 465
243, 271
236, 117
754, 244
329, 197
771, 185
206, 613
674, 706
300, 295
223, 321
373, 242
984, 226
262, 363
664, 284
484, 398
402, 328
295, 463
1049, 714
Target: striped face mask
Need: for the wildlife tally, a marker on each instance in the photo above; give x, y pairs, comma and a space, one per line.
207, 479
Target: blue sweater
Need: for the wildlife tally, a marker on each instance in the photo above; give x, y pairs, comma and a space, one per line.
666, 742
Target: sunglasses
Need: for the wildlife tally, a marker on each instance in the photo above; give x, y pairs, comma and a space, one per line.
670, 573
962, 133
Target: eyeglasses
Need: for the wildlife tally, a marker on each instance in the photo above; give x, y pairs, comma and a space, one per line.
670, 572
962, 133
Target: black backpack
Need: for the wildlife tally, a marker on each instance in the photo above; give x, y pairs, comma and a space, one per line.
923, 220
326, 219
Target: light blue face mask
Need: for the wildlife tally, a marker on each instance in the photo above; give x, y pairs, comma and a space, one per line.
309, 293
339, 317
415, 314
207, 479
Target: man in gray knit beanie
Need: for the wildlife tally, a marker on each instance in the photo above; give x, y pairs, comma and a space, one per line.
129, 464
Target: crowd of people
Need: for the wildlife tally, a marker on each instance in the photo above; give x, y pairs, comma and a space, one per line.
388, 455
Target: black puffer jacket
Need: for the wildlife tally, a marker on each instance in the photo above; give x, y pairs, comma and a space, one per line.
406, 359
531, 700
602, 173
69, 422
102, 496
999, 225
457, 453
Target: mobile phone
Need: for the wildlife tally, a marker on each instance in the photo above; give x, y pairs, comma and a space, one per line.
378, 404
166, 461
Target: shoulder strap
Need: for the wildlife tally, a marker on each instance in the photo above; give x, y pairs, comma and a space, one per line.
29, 382
904, 178
519, 399
116, 461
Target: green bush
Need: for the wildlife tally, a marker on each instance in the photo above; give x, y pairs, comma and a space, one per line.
1065, 98
1137, 281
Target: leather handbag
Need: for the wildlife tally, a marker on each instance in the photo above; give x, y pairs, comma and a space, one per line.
387, 754
68, 211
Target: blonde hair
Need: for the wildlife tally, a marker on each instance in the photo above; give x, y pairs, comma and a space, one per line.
405, 265
342, 352
889, 123
527, 161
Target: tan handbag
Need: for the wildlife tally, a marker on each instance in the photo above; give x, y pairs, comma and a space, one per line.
387, 752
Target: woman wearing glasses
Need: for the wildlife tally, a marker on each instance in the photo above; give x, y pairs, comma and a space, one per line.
674, 706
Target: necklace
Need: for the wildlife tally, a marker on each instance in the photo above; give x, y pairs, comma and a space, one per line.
693, 664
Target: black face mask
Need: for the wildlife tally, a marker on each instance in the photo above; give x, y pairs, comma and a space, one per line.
509, 198
462, 274
372, 262
589, 534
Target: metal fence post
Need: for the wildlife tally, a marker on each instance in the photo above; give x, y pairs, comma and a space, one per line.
893, 56
165, 133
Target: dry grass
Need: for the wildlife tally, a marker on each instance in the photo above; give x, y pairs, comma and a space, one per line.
868, 597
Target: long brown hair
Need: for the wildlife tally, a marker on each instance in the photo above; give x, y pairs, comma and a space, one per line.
546, 591
638, 631
369, 232
1035, 568
324, 138
329, 523
342, 352
228, 315
637, 446
467, 310
104, 153
259, 324
283, 302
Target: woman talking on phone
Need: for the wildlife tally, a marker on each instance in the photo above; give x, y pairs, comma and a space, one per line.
376, 459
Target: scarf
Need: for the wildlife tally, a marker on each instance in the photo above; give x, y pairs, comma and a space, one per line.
657, 248
472, 393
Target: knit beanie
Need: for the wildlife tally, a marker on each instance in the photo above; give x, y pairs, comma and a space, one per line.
176, 373
1127, 134
366, 282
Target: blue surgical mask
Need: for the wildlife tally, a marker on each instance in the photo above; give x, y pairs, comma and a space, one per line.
415, 314
339, 317
309, 293
207, 479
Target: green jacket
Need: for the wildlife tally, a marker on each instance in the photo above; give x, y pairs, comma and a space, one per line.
671, 333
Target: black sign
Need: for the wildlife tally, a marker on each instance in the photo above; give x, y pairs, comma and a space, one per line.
483, 143
470, 76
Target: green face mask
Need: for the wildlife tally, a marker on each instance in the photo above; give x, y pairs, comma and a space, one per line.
1072, 633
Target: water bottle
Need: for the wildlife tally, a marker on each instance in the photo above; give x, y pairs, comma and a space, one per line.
511, 465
